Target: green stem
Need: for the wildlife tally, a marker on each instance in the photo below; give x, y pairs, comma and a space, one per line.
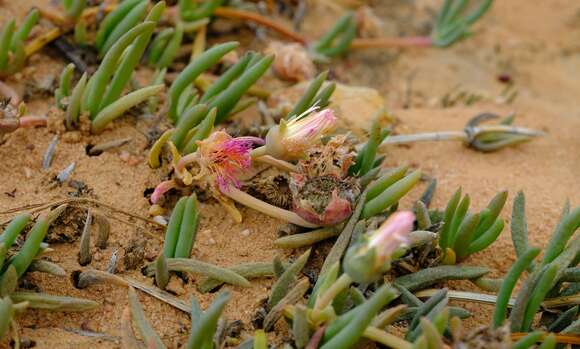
261, 206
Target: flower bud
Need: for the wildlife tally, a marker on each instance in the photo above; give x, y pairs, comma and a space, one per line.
370, 258
291, 139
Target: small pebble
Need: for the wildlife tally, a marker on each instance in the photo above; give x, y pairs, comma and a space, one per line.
160, 220
245, 232
211, 241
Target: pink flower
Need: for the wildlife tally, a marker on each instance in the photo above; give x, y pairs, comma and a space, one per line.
392, 234
291, 139
224, 158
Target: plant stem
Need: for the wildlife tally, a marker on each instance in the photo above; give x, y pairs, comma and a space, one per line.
459, 135
32, 121
260, 151
560, 338
38, 43
426, 137
88, 16
279, 164
341, 284
228, 12
464, 296
261, 206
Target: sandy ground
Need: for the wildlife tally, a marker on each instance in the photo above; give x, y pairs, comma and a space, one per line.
537, 46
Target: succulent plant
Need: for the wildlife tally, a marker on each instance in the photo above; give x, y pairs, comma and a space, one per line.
101, 94
190, 11
12, 51
453, 24
465, 233
15, 263
486, 138
203, 324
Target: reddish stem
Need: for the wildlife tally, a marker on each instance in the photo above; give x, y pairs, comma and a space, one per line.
229, 12
33, 121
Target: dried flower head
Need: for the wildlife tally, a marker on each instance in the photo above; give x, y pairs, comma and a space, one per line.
321, 191
367, 260
324, 200
271, 186
292, 61
333, 158
291, 139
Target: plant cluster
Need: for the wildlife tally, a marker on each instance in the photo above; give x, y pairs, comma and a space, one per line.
12, 49
384, 261
15, 262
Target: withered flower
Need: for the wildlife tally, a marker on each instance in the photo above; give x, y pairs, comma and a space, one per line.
322, 192
292, 61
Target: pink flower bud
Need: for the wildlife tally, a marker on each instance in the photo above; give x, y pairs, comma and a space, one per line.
291, 140
392, 234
